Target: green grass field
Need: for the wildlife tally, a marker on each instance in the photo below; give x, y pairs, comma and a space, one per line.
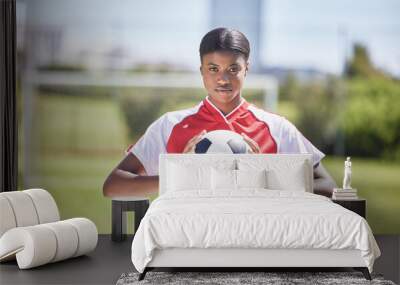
78, 140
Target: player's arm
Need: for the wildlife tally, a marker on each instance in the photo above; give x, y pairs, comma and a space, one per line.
129, 179
323, 182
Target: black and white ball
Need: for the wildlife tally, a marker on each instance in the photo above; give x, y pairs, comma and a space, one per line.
222, 141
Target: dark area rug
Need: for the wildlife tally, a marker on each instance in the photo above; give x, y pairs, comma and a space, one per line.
226, 278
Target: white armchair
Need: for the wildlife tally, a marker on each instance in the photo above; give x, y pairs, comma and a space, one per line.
31, 230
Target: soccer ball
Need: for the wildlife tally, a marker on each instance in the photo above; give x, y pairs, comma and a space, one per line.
222, 141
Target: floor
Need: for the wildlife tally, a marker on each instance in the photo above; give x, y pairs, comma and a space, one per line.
110, 260
102, 266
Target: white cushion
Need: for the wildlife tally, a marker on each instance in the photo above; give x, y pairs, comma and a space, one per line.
46, 207
189, 174
230, 180
284, 172
190, 165
67, 240
251, 178
33, 246
293, 179
223, 179
87, 233
31, 233
7, 218
23, 208
182, 177
40, 244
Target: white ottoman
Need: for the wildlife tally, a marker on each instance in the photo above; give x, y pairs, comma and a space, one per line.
31, 233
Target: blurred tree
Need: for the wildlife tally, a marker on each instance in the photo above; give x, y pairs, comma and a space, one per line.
62, 67
360, 64
289, 88
318, 119
140, 111
371, 122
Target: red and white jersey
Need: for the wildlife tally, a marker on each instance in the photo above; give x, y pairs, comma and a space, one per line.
171, 132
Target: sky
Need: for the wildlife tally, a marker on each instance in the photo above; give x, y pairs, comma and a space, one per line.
294, 34
320, 33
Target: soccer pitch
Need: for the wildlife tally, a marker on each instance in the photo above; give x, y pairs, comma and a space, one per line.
77, 141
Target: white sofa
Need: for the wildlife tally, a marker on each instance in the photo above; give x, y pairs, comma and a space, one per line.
31, 231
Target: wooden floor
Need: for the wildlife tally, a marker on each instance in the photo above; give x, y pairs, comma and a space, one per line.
110, 260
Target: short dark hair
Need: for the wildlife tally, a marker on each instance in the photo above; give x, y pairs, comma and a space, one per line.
224, 39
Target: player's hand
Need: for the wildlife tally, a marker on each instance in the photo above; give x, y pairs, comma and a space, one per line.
254, 147
189, 148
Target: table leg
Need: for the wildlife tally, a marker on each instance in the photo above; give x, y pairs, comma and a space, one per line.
140, 211
118, 221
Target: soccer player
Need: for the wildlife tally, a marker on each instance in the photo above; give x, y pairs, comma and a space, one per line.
224, 55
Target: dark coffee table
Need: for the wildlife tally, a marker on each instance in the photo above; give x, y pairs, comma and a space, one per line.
121, 205
357, 205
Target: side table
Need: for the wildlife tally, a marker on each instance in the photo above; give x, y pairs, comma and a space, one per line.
358, 205
121, 205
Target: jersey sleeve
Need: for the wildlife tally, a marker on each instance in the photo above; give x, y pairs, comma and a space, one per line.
148, 148
293, 141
